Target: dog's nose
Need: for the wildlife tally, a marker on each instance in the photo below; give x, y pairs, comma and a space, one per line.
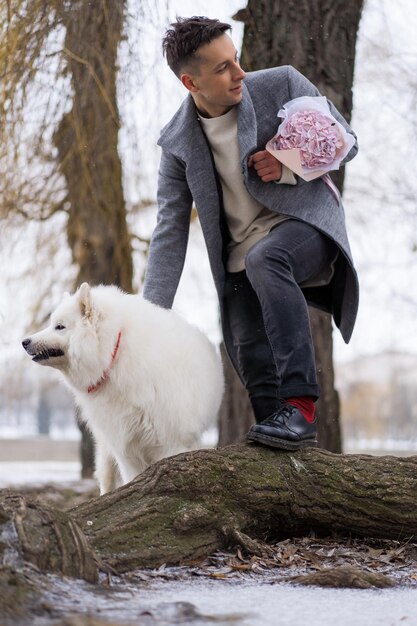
26, 342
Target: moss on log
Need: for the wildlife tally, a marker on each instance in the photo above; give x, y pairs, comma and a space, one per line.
190, 505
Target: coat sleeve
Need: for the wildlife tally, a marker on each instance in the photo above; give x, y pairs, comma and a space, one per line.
299, 85
170, 238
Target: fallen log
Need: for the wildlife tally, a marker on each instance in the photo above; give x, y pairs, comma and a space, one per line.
44, 537
190, 505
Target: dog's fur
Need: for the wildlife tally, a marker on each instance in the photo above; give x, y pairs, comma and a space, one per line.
153, 398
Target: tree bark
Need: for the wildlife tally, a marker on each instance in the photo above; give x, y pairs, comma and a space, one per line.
188, 506
319, 39
87, 449
87, 144
328, 405
47, 538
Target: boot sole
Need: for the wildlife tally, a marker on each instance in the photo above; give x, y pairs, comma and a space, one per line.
282, 444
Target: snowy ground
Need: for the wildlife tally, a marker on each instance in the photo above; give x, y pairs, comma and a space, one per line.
252, 603
29, 473
256, 599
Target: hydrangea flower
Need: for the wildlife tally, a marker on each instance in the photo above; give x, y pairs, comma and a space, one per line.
314, 134
310, 140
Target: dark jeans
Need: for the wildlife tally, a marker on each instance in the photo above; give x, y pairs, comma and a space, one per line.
269, 318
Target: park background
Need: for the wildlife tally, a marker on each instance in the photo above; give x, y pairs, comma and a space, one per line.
376, 373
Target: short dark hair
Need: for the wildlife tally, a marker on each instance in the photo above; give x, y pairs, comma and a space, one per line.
186, 35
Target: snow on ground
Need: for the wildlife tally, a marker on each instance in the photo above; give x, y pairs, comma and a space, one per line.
284, 605
257, 602
15, 473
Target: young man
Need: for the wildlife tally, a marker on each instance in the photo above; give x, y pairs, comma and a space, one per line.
274, 241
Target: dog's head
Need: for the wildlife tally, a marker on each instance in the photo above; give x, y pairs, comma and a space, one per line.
69, 342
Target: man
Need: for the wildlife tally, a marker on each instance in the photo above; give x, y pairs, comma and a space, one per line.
274, 241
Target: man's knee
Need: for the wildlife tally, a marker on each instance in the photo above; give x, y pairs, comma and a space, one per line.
261, 258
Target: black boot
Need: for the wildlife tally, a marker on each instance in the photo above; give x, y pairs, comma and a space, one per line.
287, 429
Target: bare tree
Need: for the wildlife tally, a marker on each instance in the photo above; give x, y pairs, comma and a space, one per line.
86, 139
59, 122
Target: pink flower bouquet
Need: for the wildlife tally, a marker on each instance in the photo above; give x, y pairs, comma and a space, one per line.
310, 141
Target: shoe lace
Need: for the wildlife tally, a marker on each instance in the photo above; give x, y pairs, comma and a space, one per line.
284, 413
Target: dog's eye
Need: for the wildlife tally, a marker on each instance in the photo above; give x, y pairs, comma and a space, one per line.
59, 327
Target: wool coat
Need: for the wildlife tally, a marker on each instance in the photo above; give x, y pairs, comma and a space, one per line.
187, 173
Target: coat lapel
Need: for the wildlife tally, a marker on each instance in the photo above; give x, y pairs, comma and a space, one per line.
184, 137
246, 126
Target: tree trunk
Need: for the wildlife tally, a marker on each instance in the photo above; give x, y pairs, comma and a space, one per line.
188, 506
87, 140
87, 144
87, 448
319, 39
328, 405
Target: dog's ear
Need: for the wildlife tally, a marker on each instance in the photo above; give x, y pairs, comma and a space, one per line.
86, 306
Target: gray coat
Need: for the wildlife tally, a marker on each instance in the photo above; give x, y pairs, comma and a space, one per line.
187, 174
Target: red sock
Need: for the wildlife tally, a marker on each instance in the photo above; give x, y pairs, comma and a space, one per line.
305, 405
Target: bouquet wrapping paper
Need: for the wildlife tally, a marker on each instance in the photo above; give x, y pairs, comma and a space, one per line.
310, 141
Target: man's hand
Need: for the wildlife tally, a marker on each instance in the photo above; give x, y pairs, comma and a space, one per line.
267, 166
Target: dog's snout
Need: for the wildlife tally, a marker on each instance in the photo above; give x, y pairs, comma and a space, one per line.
26, 342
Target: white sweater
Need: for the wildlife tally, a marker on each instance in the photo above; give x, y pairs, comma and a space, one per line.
247, 219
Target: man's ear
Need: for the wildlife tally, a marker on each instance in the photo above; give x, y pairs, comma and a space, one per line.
84, 297
188, 83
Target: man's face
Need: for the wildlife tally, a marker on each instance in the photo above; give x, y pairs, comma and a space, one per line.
216, 82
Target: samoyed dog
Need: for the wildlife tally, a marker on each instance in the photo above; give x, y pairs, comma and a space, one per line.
147, 382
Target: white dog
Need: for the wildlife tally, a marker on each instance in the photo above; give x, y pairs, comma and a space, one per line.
147, 382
